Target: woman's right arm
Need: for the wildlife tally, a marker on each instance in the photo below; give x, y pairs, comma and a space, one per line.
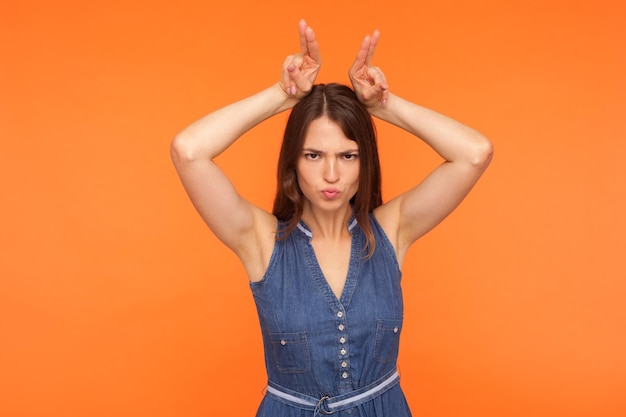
236, 222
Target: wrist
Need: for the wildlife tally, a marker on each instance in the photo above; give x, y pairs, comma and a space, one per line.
382, 110
286, 101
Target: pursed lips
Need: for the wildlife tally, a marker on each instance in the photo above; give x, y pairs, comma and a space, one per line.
330, 193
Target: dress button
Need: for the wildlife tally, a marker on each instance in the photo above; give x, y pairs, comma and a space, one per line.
344, 364
340, 314
395, 329
282, 342
343, 352
342, 340
344, 375
341, 327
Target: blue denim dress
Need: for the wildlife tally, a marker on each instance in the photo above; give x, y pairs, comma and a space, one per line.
317, 345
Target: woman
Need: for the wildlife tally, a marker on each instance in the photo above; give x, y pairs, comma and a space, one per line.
324, 266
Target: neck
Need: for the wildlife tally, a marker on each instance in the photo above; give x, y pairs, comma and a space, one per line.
327, 224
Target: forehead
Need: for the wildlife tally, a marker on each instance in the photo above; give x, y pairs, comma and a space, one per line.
323, 133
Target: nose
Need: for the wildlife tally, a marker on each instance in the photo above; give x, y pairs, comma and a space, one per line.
331, 170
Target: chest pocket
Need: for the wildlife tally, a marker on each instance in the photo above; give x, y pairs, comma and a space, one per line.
290, 352
387, 340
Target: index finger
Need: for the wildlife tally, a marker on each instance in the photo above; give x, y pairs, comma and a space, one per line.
361, 56
364, 56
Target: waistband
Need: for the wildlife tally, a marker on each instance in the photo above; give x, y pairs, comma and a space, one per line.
329, 405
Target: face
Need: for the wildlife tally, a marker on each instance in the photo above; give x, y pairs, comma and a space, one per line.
328, 167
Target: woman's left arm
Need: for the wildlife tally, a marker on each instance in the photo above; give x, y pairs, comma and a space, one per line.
465, 151
466, 155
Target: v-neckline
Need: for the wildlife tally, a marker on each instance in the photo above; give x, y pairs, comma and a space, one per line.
353, 266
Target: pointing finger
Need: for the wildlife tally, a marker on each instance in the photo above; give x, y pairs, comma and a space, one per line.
361, 56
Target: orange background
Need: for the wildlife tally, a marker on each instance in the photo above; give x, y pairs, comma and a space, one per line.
116, 300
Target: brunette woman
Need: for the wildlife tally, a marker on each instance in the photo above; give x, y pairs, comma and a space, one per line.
324, 265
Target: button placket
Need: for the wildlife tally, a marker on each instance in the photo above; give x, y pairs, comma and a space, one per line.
343, 351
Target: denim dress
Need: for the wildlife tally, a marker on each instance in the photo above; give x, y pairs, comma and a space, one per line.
319, 346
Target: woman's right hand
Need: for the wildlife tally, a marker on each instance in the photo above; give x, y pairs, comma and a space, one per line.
300, 70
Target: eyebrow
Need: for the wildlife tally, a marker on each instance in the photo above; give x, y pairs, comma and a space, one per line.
347, 151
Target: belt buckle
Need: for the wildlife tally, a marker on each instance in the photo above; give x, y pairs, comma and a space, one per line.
319, 406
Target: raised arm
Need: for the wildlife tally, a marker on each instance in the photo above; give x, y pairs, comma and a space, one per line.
466, 154
237, 223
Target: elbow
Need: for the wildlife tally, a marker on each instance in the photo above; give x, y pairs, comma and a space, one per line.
482, 153
181, 150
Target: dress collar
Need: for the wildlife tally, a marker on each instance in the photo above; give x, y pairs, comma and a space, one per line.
303, 228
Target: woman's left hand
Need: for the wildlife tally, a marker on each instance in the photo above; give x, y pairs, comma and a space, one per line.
368, 81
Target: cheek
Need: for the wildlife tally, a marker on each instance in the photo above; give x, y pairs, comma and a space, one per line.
356, 175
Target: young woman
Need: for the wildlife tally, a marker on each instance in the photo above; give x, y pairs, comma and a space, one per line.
324, 266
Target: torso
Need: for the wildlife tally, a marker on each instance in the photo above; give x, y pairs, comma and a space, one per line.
333, 334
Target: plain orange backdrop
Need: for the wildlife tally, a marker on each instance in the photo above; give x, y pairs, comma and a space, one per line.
116, 300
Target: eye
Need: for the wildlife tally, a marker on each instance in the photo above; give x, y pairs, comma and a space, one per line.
350, 156
311, 156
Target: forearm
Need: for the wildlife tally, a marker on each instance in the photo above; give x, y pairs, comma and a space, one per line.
209, 136
452, 140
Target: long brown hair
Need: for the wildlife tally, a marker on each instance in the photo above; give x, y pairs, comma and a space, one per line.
340, 104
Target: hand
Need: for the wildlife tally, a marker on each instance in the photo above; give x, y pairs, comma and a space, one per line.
300, 70
369, 82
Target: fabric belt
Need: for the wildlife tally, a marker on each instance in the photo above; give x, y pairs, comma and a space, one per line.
329, 405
